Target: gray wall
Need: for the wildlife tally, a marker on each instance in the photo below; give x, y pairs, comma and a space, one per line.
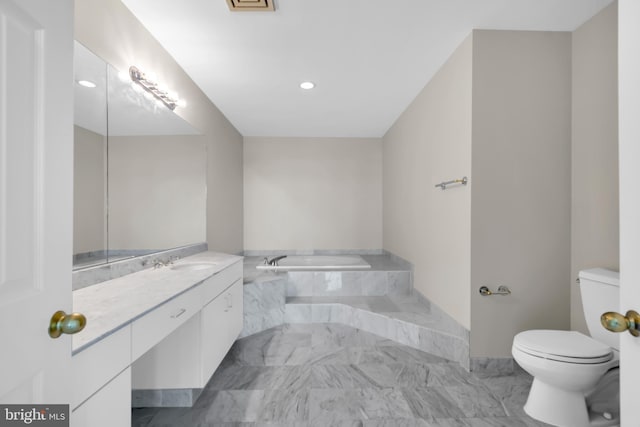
430, 143
312, 193
594, 177
521, 194
110, 30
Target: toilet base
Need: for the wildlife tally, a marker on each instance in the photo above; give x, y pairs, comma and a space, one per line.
562, 408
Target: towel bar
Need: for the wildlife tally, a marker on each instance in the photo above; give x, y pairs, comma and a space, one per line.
443, 185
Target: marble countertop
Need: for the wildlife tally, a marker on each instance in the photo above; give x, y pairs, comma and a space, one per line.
111, 305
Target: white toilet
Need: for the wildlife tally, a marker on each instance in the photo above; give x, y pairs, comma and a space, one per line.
569, 368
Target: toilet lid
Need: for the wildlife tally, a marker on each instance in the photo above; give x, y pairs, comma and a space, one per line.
563, 346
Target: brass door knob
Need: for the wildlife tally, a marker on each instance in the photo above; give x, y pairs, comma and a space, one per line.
63, 323
616, 322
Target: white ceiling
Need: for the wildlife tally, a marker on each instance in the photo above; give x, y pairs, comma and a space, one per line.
368, 58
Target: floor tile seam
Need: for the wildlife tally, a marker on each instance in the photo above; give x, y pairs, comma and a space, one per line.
457, 386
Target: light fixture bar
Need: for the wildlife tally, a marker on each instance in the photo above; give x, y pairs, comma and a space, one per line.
152, 87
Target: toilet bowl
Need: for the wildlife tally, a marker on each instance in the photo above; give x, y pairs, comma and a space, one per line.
569, 368
566, 367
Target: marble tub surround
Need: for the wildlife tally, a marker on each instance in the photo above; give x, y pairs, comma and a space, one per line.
265, 291
332, 375
348, 283
104, 272
397, 260
378, 261
402, 319
385, 277
112, 304
264, 303
380, 301
251, 274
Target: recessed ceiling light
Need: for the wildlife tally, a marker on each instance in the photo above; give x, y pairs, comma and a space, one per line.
86, 83
307, 85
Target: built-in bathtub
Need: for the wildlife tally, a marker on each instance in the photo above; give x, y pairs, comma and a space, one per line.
372, 292
318, 262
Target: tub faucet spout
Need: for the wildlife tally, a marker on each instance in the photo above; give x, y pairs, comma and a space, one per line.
274, 261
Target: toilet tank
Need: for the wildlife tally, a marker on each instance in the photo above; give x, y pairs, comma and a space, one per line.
600, 290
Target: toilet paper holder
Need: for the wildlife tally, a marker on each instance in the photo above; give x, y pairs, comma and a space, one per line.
502, 290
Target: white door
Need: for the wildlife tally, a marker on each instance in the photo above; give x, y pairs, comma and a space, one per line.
629, 110
36, 159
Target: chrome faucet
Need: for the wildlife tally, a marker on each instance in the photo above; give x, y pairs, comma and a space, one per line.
273, 261
158, 263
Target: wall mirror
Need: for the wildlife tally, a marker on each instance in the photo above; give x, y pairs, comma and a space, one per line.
139, 169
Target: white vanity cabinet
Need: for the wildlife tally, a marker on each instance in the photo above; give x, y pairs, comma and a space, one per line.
175, 344
180, 365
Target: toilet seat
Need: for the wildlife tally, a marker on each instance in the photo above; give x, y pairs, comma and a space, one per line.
563, 346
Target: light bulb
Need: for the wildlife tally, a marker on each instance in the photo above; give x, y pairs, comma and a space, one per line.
86, 83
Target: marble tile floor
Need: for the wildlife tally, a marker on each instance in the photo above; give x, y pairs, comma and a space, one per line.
332, 375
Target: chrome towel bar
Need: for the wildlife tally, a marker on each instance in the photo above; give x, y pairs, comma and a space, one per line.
502, 290
443, 185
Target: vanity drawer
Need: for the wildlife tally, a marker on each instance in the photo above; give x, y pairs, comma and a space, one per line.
95, 366
216, 284
151, 328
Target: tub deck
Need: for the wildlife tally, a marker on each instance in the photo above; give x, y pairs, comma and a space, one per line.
380, 300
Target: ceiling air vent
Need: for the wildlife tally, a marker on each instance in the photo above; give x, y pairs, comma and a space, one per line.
251, 5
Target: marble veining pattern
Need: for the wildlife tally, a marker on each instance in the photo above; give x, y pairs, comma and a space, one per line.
83, 277
397, 318
115, 303
332, 375
379, 301
264, 305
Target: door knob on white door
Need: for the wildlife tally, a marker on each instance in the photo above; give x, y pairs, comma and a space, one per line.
63, 323
616, 322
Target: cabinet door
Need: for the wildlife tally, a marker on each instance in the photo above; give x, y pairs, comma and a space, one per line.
215, 335
109, 407
236, 308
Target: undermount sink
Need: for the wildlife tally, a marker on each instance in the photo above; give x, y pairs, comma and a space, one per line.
193, 266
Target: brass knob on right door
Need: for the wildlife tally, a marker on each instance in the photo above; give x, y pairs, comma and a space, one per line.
616, 322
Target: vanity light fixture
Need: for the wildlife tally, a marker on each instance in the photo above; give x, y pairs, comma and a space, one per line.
87, 83
149, 84
307, 85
